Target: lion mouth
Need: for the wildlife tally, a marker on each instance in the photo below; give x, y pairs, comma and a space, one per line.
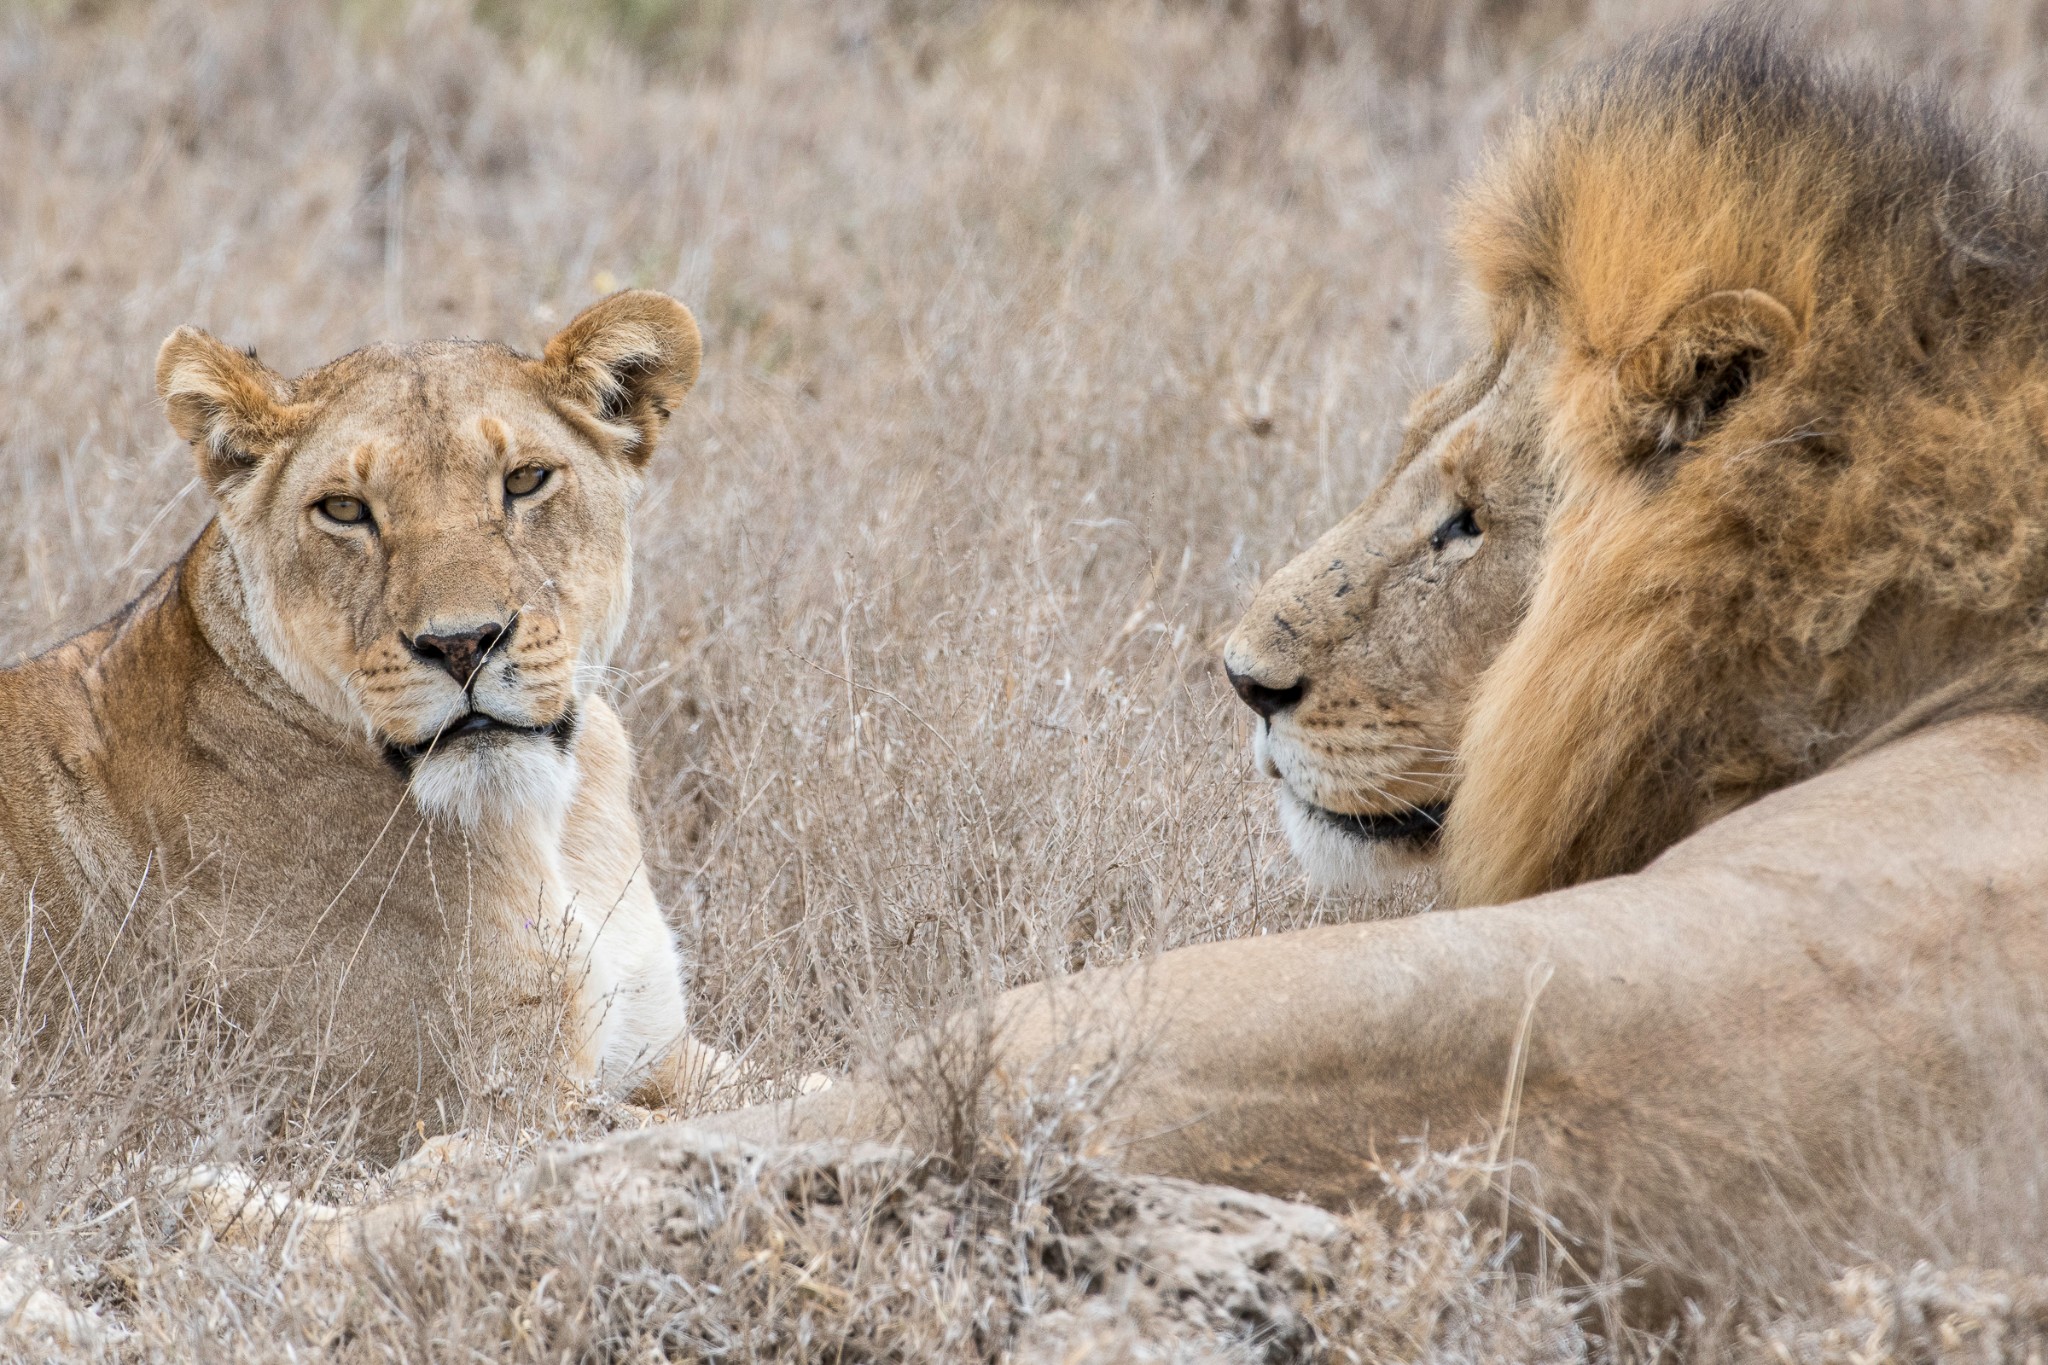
1418, 824
474, 724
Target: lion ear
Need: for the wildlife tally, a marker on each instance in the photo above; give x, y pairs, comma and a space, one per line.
227, 404
1704, 357
625, 363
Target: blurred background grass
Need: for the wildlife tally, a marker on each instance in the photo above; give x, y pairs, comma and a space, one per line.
1036, 334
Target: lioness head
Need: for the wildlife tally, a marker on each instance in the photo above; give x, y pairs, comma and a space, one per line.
431, 540
1359, 657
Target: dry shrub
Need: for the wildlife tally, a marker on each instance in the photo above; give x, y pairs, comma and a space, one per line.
1922, 1316
672, 1245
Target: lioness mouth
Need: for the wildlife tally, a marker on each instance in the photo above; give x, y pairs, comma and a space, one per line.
1421, 824
404, 756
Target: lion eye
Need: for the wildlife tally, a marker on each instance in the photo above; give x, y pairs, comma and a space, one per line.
347, 511
526, 479
1463, 526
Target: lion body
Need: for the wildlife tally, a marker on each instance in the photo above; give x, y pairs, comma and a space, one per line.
1753, 770
1702, 1073
257, 778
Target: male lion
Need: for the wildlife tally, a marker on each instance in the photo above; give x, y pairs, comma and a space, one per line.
347, 759
1360, 656
1780, 683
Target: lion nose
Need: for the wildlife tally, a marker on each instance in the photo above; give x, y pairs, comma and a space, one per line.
1266, 700
461, 653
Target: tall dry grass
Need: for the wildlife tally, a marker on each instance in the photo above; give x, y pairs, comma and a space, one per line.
1036, 334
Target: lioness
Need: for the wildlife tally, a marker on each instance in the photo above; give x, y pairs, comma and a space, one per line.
1780, 683
348, 755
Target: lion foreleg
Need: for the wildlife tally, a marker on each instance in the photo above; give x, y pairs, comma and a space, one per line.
1690, 1057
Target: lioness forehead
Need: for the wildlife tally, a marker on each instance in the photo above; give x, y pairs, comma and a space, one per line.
425, 380
455, 403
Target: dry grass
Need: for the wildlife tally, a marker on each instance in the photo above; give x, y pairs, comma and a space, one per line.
1037, 333
676, 1245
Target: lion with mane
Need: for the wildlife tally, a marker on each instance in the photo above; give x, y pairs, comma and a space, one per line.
1796, 423
1752, 768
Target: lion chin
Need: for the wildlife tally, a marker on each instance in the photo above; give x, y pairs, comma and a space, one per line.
482, 773
1358, 855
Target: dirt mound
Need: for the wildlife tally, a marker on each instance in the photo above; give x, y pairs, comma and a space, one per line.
668, 1244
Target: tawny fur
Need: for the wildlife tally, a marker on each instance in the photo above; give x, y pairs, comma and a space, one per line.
243, 777
1795, 426
1386, 622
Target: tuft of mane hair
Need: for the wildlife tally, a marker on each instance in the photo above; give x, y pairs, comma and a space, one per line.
1798, 429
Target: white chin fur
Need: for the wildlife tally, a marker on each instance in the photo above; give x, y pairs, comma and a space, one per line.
1336, 861
495, 781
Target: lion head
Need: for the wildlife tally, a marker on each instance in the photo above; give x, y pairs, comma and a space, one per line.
1359, 656
1794, 422
431, 540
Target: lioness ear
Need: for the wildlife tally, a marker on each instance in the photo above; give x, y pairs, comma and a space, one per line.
626, 362
225, 402
1704, 357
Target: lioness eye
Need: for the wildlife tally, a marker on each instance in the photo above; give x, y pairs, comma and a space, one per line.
347, 511
1462, 526
524, 480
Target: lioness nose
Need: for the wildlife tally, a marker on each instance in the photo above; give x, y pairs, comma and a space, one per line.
1267, 701
461, 653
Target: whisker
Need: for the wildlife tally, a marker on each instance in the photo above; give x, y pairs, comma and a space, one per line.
1411, 808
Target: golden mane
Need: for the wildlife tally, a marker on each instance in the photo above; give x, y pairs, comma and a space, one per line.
1796, 429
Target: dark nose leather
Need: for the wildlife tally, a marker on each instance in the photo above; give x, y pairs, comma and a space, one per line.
1267, 701
459, 653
